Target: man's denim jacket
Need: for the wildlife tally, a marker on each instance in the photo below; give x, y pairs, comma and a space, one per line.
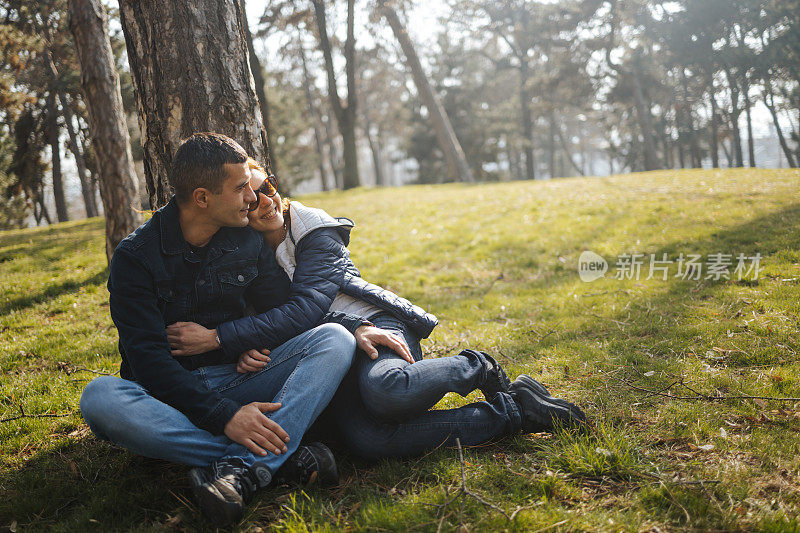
156, 279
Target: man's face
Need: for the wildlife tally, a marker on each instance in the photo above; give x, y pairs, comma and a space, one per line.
229, 207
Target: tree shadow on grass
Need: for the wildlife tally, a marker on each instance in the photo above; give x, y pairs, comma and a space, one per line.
90, 484
52, 291
48, 244
640, 322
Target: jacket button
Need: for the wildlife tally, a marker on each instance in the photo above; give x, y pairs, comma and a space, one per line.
240, 278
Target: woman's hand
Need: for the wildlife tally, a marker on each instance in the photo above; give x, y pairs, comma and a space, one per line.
367, 337
252, 361
189, 338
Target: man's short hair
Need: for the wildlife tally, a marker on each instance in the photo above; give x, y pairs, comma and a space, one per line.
199, 162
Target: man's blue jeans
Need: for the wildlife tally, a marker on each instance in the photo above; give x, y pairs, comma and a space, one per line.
382, 408
302, 376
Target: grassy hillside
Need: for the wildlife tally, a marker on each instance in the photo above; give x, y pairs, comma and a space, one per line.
661, 366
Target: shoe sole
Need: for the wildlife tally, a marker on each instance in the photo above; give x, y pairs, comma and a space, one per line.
505, 381
211, 502
576, 411
329, 479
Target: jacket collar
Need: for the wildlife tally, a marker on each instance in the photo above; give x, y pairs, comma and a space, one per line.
172, 241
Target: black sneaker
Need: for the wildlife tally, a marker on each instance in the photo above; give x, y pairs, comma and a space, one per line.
311, 463
496, 378
538, 387
539, 412
223, 489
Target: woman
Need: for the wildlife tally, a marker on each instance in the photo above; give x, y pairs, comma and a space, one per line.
382, 408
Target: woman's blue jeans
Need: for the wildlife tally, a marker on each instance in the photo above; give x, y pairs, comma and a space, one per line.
383, 407
302, 376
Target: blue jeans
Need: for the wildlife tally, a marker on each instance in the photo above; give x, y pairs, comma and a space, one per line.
302, 376
382, 408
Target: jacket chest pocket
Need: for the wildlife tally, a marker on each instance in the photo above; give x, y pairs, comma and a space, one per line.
233, 281
172, 301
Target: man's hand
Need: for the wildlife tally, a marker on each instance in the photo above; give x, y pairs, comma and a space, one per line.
252, 361
367, 337
189, 338
253, 430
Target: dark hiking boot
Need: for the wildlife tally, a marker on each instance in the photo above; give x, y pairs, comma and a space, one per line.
540, 412
538, 387
311, 463
496, 378
223, 489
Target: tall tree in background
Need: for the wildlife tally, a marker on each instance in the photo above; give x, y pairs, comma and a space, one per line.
87, 184
345, 112
215, 94
457, 166
258, 77
101, 86
630, 74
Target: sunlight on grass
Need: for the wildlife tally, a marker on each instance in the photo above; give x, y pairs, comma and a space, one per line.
497, 263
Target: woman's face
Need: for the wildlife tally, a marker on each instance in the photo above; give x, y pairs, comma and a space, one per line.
269, 214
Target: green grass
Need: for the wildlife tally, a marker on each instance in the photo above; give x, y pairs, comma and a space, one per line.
498, 264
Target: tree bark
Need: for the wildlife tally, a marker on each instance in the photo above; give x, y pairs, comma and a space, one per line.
191, 72
89, 201
101, 88
457, 166
345, 112
258, 78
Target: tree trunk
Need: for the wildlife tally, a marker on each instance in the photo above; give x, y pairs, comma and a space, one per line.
101, 89
769, 101
345, 112
93, 171
645, 123
714, 128
190, 68
374, 147
333, 152
527, 122
87, 190
697, 161
735, 113
728, 154
258, 78
551, 145
567, 152
55, 148
457, 166
315, 121
42, 214
751, 148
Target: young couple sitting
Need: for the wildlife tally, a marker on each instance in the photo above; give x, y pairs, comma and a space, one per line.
242, 321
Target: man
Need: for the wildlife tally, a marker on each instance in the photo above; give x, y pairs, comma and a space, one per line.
196, 260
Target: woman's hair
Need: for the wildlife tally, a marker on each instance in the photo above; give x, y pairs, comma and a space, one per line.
255, 165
